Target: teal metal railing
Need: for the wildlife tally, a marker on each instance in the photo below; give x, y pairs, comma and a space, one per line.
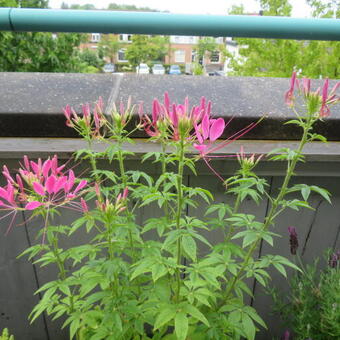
49, 20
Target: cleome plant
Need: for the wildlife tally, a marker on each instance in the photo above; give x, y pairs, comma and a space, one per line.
125, 284
5, 335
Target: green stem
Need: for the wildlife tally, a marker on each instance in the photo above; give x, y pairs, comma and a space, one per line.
179, 215
61, 267
60, 264
93, 161
120, 157
124, 182
236, 207
163, 162
275, 205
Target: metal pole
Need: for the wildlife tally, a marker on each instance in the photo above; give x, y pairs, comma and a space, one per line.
49, 20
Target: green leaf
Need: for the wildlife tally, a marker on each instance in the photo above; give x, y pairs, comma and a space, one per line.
253, 314
165, 315
74, 326
268, 238
280, 268
189, 246
181, 325
305, 192
250, 238
248, 327
323, 192
143, 267
193, 311
286, 262
158, 270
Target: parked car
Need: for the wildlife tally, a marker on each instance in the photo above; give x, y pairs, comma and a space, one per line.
158, 69
175, 69
217, 73
109, 68
143, 69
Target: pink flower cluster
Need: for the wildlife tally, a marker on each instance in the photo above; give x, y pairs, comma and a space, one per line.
93, 124
178, 120
304, 87
39, 184
118, 206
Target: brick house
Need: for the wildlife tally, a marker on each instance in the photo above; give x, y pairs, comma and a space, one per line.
181, 52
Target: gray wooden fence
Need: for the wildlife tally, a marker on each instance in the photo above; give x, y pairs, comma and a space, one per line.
318, 229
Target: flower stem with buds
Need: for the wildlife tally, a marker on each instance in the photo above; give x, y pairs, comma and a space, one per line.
275, 204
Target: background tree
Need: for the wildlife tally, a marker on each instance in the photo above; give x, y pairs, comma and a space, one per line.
145, 49
83, 7
37, 52
159, 47
204, 48
109, 46
278, 57
117, 7
90, 60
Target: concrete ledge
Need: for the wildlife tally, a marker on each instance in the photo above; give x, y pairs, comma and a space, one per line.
31, 103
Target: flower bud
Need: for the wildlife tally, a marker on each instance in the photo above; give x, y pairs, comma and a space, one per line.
293, 240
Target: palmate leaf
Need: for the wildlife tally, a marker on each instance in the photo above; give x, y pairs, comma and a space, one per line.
323, 192
296, 204
253, 314
181, 325
158, 270
154, 154
189, 247
142, 267
166, 314
193, 311
306, 190
248, 327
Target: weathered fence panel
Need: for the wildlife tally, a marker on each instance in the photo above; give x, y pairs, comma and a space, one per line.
41, 133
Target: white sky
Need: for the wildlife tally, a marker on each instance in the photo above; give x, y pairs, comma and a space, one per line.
218, 7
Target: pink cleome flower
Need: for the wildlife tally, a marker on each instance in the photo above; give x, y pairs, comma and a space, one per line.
326, 99
177, 119
40, 184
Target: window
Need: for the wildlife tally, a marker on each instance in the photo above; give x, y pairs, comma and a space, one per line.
179, 56
121, 55
215, 57
125, 37
95, 37
193, 56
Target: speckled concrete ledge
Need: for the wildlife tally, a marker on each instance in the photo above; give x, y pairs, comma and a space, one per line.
31, 103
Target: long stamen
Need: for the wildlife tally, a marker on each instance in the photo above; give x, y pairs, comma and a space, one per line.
11, 224
213, 170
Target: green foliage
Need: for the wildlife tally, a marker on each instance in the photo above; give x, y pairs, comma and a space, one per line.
310, 308
197, 69
145, 49
91, 58
204, 46
119, 7
5, 335
277, 57
38, 52
109, 46
134, 274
